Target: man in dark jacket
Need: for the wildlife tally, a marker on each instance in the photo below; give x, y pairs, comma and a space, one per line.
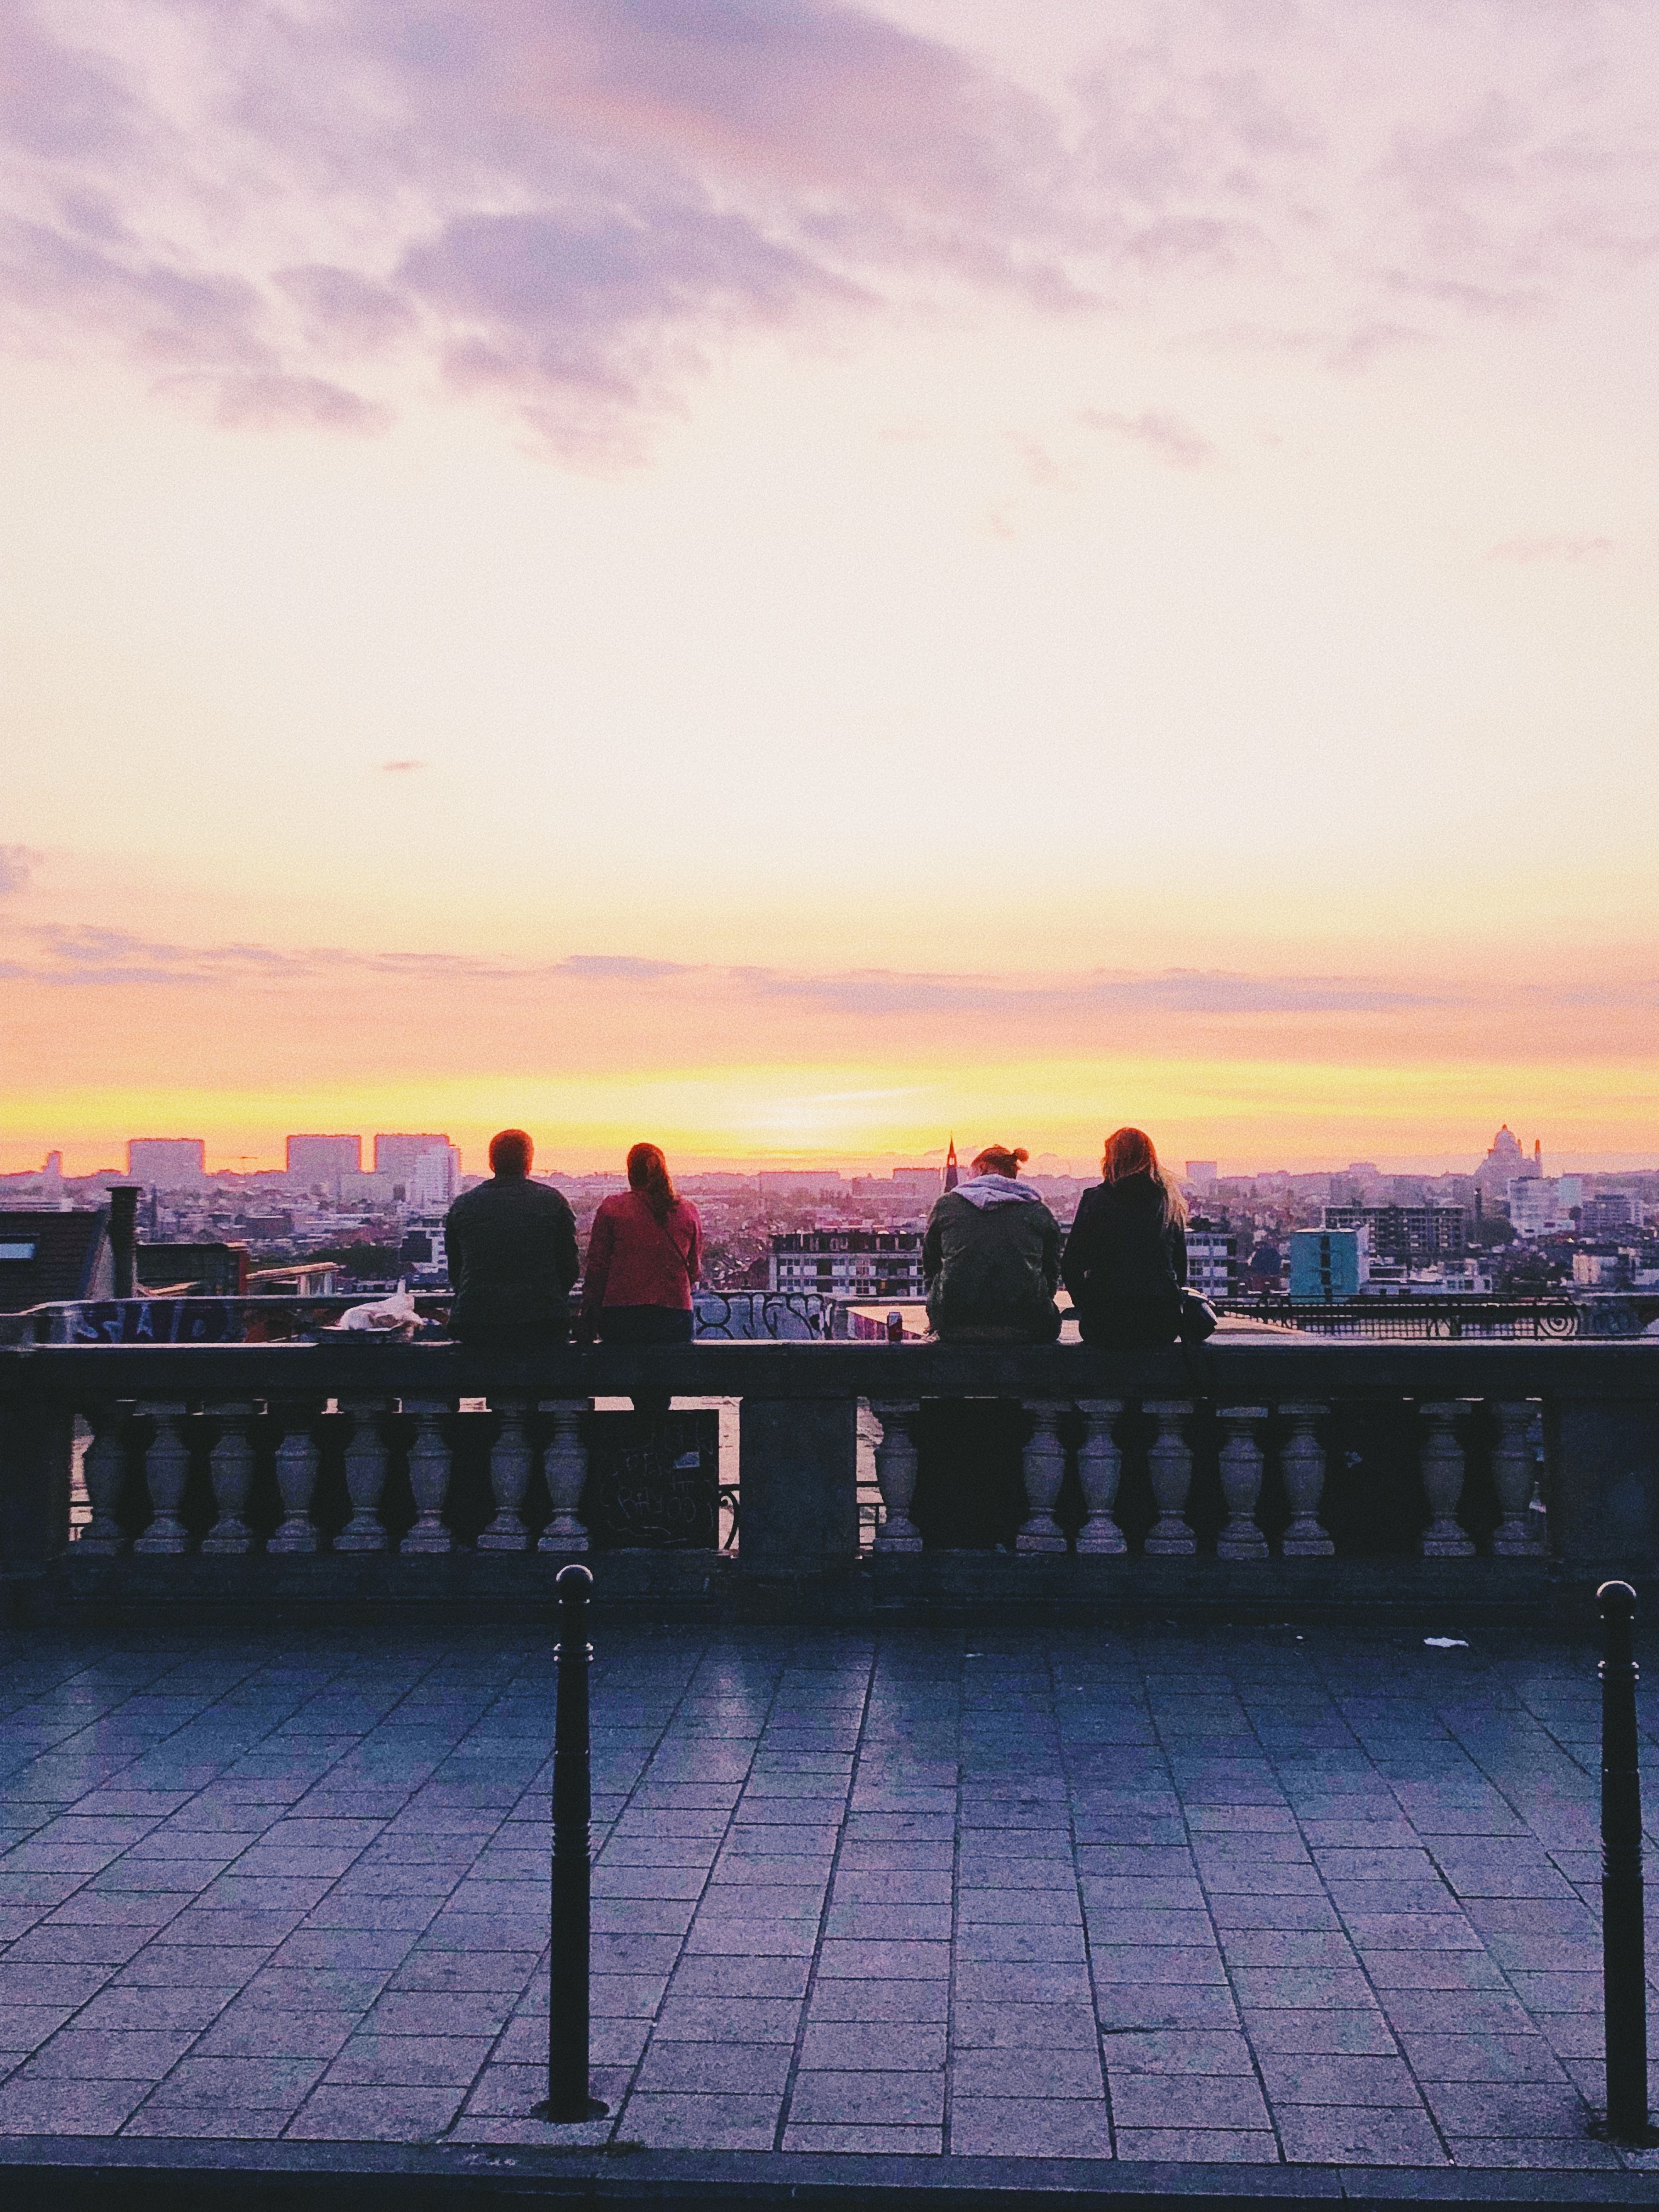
991, 1257
512, 1259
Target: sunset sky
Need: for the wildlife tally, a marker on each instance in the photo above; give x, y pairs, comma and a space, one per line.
787, 578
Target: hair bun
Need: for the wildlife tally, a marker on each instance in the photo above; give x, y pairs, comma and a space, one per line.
1020, 1152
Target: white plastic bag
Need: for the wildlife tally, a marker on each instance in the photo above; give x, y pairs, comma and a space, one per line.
392, 1316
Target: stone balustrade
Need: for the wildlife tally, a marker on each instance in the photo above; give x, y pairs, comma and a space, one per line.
1260, 1469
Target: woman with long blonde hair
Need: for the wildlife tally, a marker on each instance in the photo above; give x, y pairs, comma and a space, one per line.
1125, 1262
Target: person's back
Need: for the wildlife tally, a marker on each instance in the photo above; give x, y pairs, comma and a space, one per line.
643, 1256
991, 1257
511, 1252
1126, 1258
637, 1260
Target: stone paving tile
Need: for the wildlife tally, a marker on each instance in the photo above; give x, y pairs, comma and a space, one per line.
1312, 1893
1358, 2136
1206, 2145
1030, 2127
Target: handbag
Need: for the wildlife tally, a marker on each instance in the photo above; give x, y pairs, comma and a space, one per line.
1198, 1319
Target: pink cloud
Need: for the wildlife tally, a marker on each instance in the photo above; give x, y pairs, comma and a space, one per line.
571, 206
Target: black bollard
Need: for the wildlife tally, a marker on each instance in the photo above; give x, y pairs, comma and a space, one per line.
569, 2095
1624, 1968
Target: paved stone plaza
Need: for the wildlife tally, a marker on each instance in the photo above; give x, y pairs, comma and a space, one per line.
1145, 1892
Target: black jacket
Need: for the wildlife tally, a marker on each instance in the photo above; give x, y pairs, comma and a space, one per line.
1121, 1251
512, 1251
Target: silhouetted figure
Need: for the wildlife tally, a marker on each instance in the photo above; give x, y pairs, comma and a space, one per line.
1125, 1262
991, 1257
512, 1251
643, 1258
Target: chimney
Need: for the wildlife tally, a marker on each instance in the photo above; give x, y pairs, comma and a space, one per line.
124, 1235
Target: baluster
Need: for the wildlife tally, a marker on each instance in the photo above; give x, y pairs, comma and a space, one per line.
1100, 1468
296, 1482
1043, 1463
429, 1476
1302, 1464
1171, 1467
565, 1467
1241, 1483
1512, 1470
509, 1478
895, 1472
231, 1464
1443, 1479
167, 1468
365, 1475
1538, 1516
105, 1468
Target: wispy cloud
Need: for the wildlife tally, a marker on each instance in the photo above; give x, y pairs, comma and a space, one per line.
882, 994
17, 864
265, 400
81, 954
401, 766
1170, 437
78, 955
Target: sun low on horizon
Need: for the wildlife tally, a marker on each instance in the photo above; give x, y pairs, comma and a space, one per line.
793, 578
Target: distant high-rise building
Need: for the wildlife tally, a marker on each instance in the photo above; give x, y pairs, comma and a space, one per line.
396, 1155
324, 1159
1404, 1232
167, 1162
1201, 1174
435, 1178
801, 1183
1605, 1214
1537, 1205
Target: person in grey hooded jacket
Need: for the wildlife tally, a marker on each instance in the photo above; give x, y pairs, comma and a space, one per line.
991, 1257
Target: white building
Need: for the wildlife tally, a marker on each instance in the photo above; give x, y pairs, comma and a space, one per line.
1539, 1204
396, 1152
848, 1263
435, 1178
1212, 1261
1450, 1279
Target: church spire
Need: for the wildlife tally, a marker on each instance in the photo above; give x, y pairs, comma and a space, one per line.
950, 1177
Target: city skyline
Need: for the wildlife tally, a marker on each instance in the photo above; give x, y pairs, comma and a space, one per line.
887, 1163
782, 580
